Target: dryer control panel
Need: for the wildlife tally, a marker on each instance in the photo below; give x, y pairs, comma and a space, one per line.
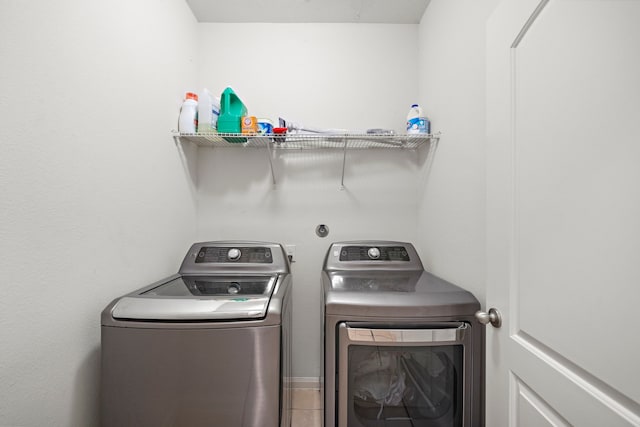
372, 254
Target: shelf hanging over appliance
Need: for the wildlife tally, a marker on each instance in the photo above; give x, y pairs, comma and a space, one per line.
300, 141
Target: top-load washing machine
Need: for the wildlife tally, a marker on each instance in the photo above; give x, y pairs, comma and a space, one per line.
209, 346
401, 346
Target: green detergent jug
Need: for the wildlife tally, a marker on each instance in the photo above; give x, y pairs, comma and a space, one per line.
232, 109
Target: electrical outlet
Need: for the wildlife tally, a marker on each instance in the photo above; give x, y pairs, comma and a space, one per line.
291, 252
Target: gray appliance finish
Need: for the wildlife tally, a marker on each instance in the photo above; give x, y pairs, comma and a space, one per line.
209, 346
401, 346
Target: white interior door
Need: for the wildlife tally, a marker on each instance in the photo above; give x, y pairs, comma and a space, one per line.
563, 177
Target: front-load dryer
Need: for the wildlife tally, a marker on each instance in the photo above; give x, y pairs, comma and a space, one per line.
209, 346
401, 346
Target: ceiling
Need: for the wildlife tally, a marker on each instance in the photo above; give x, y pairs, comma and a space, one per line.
301, 11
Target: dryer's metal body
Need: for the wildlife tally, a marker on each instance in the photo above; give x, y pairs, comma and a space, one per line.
401, 346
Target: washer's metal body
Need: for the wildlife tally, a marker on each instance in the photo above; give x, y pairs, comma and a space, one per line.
401, 346
207, 346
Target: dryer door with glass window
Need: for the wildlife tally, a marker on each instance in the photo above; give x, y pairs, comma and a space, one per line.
406, 375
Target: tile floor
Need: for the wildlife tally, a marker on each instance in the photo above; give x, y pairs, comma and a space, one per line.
306, 408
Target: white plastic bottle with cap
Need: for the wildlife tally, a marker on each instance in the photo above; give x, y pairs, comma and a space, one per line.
208, 112
417, 122
188, 121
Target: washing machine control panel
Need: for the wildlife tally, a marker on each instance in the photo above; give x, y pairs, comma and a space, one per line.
374, 253
219, 254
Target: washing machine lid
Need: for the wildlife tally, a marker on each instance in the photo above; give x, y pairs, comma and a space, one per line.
200, 298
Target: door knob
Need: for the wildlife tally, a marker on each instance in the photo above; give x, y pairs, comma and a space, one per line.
493, 316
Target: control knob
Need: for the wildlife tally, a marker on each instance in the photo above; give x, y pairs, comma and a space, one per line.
234, 254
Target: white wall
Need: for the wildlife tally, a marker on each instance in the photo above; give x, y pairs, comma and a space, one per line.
353, 76
94, 198
452, 92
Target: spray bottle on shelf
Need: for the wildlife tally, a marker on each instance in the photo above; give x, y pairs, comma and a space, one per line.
417, 122
188, 121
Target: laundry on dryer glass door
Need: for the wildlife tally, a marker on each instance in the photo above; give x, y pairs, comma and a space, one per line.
209, 346
401, 346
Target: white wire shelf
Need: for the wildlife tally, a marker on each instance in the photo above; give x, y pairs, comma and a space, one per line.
295, 141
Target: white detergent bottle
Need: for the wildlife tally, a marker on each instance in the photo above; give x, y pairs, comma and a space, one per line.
208, 112
205, 100
188, 121
417, 122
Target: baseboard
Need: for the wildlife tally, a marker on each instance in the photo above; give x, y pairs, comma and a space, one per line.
305, 382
